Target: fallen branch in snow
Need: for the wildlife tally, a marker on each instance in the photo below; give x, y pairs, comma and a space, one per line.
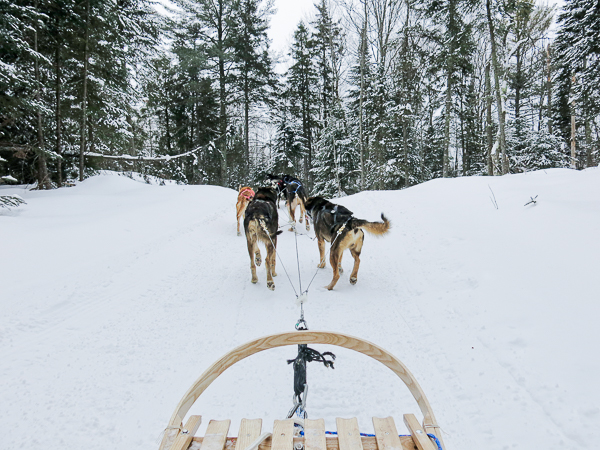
7, 201
493, 198
165, 158
533, 200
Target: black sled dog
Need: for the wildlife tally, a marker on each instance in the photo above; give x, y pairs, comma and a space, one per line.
294, 193
336, 225
261, 224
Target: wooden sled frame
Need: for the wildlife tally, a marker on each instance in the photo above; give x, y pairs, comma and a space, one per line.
176, 437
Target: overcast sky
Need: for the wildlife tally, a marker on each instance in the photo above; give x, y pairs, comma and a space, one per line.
284, 21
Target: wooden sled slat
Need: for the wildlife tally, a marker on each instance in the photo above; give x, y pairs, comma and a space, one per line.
386, 434
283, 435
249, 432
314, 435
419, 436
184, 439
216, 434
348, 434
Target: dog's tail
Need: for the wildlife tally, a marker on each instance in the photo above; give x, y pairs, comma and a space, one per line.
376, 228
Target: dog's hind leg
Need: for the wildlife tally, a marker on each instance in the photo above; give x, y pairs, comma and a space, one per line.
355, 251
321, 244
334, 259
252, 249
257, 256
274, 259
292, 213
270, 265
341, 269
303, 214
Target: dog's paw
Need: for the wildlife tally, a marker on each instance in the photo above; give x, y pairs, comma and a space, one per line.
271, 285
300, 219
307, 225
239, 234
353, 280
257, 259
341, 269
321, 266
254, 280
329, 287
291, 229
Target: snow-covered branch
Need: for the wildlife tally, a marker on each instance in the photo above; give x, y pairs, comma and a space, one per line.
165, 158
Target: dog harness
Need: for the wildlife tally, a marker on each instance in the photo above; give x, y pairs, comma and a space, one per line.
340, 216
247, 193
298, 186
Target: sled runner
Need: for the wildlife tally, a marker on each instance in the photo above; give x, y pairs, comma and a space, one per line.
422, 436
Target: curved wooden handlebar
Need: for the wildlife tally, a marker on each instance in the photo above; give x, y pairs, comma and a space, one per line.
294, 338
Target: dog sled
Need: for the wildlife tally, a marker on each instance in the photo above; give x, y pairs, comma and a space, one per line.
423, 436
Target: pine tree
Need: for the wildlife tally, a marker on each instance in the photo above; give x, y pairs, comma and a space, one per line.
577, 56
302, 82
254, 77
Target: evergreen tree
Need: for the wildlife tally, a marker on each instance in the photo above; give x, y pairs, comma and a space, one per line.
254, 77
455, 45
577, 56
303, 91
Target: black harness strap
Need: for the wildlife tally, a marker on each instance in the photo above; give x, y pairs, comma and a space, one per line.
307, 354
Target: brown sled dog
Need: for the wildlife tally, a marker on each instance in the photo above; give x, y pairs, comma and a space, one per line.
261, 223
245, 195
335, 224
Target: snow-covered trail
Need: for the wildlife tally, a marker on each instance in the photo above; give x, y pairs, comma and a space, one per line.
116, 295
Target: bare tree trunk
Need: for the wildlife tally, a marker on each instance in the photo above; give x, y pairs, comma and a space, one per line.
58, 117
496, 66
167, 130
246, 127
82, 145
542, 96
405, 122
222, 94
573, 129
446, 157
464, 156
518, 76
448, 106
548, 69
489, 125
589, 160
363, 50
42, 175
338, 102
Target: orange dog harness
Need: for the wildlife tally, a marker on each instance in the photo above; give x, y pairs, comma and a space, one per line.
247, 193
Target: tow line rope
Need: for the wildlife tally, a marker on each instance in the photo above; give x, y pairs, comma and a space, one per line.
431, 436
264, 227
305, 353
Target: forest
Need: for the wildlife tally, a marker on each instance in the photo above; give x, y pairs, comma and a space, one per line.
376, 94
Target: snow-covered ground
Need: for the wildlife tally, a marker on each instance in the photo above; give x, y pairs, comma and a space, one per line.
116, 295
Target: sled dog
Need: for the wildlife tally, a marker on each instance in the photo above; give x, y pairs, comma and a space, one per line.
293, 191
245, 195
261, 224
336, 225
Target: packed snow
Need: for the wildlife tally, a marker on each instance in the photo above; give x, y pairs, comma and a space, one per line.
116, 295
